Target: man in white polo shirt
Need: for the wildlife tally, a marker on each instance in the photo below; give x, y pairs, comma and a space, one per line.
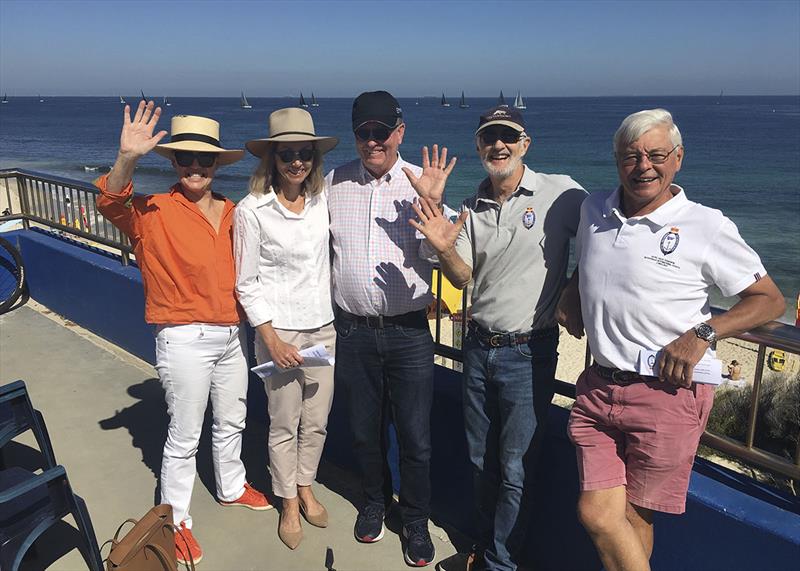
512, 239
647, 257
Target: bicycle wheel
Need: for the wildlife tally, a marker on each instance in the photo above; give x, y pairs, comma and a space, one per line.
12, 275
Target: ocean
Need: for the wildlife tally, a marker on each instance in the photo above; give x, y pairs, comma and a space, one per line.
742, 153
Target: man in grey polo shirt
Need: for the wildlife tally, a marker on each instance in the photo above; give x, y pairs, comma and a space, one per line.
512, 239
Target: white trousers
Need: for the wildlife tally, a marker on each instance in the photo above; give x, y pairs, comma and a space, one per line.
194, 362
298, 401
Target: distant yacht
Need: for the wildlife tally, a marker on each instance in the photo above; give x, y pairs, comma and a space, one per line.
719, 99
4, 99
243, 103
303, 101
143, 97
416, 102
121, 100
41, 99
314, 100
501, 101
444, 101
463, 103
165, 102
518, 102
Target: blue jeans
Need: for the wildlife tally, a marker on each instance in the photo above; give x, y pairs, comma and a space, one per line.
387, 373
507, 391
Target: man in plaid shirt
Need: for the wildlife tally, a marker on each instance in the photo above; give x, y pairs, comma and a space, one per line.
384, 349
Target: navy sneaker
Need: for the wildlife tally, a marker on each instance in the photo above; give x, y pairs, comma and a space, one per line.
419, 550
369, 524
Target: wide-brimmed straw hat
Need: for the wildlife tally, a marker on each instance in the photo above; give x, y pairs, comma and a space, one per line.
199, 134
291, 125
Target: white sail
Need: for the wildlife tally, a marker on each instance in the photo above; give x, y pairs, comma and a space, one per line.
244, 103
518, 102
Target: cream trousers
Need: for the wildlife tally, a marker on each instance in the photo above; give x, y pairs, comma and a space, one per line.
194, 362
299, 401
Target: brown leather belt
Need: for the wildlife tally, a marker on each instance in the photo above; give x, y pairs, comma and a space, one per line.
495, 339
620, 377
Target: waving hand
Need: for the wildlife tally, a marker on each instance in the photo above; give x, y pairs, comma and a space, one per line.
137, 137
435, 170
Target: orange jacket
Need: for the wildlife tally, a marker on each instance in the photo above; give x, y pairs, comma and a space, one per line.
187, 268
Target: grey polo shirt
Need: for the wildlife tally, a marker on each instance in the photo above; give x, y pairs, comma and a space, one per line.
519, 250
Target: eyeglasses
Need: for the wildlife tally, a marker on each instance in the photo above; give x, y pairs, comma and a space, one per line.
657, 157
378, 134
507, 135
289, 156
187, 158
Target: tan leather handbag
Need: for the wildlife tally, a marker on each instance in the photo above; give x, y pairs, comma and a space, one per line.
148, 546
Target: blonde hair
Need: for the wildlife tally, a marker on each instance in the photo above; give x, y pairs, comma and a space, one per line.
265, 177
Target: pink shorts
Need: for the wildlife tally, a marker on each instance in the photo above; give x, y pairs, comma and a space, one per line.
643, 435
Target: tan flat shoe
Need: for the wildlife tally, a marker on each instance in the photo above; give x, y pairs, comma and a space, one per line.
318, 520
290, 538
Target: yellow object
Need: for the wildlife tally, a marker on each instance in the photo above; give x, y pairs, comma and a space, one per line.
776, 360
451, 296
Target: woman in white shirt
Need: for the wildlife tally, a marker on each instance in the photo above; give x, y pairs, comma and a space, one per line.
283, 283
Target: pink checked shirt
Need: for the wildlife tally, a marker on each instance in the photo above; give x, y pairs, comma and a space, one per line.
376, 265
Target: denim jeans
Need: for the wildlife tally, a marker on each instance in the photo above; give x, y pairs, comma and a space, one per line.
507, 392
387, 373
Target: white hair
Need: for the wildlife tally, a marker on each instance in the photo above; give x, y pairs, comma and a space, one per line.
637, 124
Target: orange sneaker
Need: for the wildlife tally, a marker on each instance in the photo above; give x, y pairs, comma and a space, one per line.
185, 540
251, 499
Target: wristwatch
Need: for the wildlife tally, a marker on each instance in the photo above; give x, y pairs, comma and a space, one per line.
705, 332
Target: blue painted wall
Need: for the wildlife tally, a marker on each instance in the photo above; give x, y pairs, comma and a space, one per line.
731, 522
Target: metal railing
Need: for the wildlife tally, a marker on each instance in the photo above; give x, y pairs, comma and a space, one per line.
69, 206
66, 205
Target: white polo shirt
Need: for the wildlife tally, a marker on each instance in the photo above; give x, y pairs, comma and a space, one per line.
645, 280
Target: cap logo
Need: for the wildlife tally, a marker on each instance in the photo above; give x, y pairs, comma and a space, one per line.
499, 112
398, 110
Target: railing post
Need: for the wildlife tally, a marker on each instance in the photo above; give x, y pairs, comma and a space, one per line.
755, 396
22, 189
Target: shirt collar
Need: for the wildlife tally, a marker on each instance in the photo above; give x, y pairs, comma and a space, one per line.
177, 194
395, 171
660, 216
527, 185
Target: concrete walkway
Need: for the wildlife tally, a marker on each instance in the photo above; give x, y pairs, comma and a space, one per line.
107, 419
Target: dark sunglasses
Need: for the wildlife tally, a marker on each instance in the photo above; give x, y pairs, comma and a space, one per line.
289, 156
378, 134
187, 158
491, 136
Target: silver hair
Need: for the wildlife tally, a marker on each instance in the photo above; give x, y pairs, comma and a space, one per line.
637, 124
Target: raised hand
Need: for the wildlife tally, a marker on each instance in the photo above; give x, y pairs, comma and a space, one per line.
137, 139
440, 232
435, 170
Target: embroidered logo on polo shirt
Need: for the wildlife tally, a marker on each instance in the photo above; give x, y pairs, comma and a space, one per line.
529, 218
670, 240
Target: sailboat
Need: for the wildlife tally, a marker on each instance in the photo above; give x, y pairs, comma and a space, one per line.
121, 100
41, 99
4, 99
518, 102
143, 97
444, 101
502, 100
463, 103
165, 102
303, 100
719, 99
314, 100
243, 103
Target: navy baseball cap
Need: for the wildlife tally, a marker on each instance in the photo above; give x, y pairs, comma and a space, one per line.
378, 106
501, 115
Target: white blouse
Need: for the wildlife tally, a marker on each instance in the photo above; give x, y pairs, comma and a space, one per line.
282, 259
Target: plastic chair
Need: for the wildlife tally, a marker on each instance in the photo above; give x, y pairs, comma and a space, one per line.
18, 415
30, 504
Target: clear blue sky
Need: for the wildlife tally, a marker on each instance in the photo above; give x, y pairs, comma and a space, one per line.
210, 48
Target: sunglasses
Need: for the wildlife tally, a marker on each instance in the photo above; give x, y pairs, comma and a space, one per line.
491, 136
289, 156
187, 158
378, 134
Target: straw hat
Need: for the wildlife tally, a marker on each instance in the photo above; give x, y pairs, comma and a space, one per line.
291, 125
199, 134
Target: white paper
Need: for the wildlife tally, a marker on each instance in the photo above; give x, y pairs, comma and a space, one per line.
316, 356
708, 370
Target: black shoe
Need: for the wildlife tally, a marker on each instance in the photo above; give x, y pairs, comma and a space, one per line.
369, 524
419, 550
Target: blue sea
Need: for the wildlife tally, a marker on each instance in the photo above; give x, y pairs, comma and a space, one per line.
742, 153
